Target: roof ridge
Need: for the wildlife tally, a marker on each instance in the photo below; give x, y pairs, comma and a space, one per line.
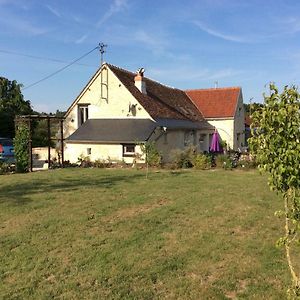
155, 81
219, 88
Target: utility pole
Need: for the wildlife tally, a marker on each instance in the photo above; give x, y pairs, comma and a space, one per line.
102, 47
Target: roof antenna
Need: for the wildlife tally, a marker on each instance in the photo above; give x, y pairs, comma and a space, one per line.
216, 84
102, 50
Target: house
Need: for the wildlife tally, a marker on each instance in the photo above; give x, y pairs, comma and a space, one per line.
223, 108
118, 110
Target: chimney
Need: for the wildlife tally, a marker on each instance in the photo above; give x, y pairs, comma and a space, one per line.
139, 80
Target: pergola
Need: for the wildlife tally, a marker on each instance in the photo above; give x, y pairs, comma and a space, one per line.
28, 120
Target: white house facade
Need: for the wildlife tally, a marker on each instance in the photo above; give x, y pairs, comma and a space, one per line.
118, 110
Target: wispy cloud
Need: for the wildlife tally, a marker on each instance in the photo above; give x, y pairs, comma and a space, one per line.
53, 11
219, 34
20, 25
81, 39
156, 43
114, 8
190, 73
291, 24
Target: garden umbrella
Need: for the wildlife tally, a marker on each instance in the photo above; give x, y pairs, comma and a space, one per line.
215, 143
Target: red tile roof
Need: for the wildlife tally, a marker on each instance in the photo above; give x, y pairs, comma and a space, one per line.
160, 101
217, 102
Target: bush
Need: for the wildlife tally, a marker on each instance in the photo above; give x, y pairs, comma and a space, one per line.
201, 162
84, 161
183, 158
6, 168
246, 162
100, 163
153, 157
223, 161
21, 148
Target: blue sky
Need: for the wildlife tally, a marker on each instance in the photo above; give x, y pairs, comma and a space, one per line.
186, 44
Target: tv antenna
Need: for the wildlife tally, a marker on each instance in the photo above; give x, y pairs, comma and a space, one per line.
102, 50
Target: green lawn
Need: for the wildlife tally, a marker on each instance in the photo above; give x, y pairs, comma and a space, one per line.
113, 234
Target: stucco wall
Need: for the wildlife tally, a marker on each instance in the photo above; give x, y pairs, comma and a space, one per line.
232, 130
239, 125
113, 152
172, 140
115, 105
225, 129
166, 143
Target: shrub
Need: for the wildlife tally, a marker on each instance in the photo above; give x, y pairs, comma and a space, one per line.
21, 148
101, 163
201, 162
223, 161
5, 168
183, 158
246, 162
84, 161
153, 157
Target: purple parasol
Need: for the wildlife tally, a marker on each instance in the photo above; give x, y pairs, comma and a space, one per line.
215, 143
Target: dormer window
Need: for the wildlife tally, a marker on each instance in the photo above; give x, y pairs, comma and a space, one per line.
83, 113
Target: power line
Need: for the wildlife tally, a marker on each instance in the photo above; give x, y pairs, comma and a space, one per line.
39, 57
59, 70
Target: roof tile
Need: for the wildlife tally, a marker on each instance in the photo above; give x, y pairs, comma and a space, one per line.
217, 102
160, 101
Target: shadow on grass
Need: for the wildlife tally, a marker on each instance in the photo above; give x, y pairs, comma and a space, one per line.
19, 193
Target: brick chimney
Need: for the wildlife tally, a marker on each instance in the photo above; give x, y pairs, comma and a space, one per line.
139, 80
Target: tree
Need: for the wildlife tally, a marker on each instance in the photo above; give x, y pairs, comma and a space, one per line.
12, 103
250, 108
276, 146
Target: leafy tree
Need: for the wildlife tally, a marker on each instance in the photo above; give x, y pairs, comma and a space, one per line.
250, 108
276, 146
12, 103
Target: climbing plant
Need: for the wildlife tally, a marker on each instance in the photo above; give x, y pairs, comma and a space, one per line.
21, 141
275, 143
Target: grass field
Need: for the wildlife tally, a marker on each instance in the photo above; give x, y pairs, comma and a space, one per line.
113, 234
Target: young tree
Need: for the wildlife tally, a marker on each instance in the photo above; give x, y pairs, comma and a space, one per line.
12, 103
276, 146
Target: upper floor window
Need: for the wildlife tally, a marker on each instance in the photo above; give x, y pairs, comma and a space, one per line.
83, 113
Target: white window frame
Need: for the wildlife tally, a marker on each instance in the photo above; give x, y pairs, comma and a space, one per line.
85, 108
127, 153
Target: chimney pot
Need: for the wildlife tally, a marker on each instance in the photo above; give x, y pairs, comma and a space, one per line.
139, 81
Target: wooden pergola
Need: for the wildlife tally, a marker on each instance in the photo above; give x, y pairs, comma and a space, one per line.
28, 120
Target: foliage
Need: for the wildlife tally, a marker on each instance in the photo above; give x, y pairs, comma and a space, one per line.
12, 103
21, 148
40, 133
247, 162
276, 145
40, 130
183, 158
223, 161
84, 161
251, 108
201, 162
101, 163
152, 155
6, 167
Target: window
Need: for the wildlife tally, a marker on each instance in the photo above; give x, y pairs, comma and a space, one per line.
129, 150
88, 151
83, 113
